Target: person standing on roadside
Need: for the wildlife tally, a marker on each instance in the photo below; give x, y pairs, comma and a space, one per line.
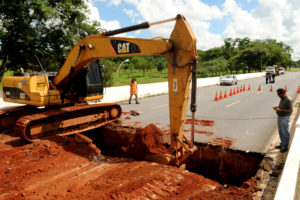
267, 78
284, 111
273, 78
133, 91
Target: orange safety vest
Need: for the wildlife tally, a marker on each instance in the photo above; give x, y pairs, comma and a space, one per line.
133, 87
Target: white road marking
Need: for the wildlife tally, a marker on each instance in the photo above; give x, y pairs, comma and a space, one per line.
157, 107
238, 101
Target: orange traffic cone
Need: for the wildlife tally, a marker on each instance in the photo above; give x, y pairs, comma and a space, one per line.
285, 89
221, 96
230, 93
249, 88
237, 90
244, 88
216, 98
259, 88
225, 95
241, 88
298, 90
234, 91
271, 89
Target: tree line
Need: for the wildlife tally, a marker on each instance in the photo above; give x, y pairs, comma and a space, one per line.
31, 29
242, 54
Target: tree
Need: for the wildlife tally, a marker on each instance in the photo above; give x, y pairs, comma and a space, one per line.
215, 66
252, 57
161, 66
48, 29
109, 70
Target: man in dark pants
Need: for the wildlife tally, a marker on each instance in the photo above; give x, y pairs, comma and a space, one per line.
267, 78
284, 111
273, 78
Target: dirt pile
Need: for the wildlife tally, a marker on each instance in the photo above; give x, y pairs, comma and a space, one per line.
147, 141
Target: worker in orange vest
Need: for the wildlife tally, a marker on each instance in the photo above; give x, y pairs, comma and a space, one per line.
133, 91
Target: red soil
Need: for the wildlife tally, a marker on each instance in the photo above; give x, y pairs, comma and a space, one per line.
147, 141
225, 142
60, 168
208, 133
201, 122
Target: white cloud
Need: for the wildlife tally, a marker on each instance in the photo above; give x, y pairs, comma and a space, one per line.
107, 25
271, 19
197, 14
115, 2
131, 14
276, 19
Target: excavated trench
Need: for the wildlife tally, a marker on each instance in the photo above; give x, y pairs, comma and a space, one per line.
219, 163
224, 165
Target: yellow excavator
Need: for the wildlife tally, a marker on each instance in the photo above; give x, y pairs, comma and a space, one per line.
57, 105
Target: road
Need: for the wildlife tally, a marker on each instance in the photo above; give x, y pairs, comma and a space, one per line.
247, 119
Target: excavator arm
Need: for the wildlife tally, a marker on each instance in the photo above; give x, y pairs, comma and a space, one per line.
96, 46
182, 64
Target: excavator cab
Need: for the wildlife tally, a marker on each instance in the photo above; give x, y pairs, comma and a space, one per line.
88, 82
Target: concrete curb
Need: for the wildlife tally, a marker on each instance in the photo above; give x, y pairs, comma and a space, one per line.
289, 185
145, 90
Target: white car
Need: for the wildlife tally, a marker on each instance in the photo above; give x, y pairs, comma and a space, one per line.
281, 70
228, 80
271, 70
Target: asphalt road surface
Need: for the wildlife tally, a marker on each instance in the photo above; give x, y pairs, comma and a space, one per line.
246, 119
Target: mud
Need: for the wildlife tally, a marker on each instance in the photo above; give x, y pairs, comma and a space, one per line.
201, 122
214, 160
224, 142
147, 141
208, 133
61, 168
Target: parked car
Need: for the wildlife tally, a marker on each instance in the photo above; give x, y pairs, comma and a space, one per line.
281, 70
228, 80
271, 70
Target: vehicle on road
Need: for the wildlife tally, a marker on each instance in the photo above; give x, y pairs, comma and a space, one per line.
228, 80
281, 70
271, 70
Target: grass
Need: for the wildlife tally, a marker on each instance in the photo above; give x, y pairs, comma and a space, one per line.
293, 70
153, 76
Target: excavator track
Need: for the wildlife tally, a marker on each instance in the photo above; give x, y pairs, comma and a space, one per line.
9, 116
66, 120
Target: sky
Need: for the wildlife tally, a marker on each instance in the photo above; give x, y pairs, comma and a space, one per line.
211, 20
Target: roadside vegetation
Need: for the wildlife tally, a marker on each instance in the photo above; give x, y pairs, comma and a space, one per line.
31, 32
